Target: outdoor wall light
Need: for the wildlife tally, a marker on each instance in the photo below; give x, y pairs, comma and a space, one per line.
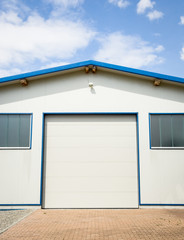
90, 84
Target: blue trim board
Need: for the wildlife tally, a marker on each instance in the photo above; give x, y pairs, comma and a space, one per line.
14, 209
96, 63
20, 204
138, 161
42, 159
159, 204
12, 113
88, 113
149, 119
169, 113
31, 131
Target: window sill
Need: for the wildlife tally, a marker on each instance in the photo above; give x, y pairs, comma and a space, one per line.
15, 148
167, 148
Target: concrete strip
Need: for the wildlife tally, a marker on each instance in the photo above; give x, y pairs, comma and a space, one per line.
9, 217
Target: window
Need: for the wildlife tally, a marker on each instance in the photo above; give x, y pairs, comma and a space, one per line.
167, 130
15, 131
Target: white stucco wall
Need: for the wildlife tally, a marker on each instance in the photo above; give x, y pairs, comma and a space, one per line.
161, 171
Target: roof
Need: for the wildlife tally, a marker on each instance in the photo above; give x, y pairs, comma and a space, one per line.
96, 63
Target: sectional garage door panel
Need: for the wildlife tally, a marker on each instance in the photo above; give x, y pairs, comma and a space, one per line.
90, 161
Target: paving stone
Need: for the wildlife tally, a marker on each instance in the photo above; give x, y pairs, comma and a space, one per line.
99, 224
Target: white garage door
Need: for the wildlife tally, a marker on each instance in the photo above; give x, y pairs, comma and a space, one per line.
90, 161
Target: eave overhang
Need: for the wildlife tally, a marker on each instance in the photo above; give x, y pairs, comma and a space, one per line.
101, 65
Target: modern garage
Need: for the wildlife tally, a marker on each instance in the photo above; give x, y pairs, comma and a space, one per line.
90, 161
91, 135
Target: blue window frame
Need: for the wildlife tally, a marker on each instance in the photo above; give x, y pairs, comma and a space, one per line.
167, 130
15, 131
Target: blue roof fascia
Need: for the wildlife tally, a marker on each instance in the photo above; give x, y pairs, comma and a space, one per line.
44, 71
92, 62
140, 72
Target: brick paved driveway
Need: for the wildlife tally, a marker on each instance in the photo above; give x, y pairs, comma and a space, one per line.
99, 224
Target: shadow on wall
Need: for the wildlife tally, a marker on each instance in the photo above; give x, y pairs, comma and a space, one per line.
79, 80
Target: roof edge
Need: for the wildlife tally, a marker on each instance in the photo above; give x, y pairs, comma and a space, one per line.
92, 62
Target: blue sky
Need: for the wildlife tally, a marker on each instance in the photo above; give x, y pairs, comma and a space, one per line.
143, 34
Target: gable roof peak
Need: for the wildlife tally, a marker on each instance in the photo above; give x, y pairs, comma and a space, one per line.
95, 63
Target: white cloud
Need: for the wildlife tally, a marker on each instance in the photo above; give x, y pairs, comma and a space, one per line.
9, 72
35, 39
159, 48
30, 42
182, 54
143, 5
157, 34
120, 3
66, 3
11, 18
128, 51
54, 64
16, 6
154, 15
181, 20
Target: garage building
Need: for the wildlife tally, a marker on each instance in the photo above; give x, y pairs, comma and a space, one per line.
91, 135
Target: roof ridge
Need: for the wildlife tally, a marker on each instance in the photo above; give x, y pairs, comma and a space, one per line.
92, 62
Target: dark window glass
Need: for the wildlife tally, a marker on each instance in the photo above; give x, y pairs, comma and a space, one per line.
178, 130
15, 130
155, 133
167, 130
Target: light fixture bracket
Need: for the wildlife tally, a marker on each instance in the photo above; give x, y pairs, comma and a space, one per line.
90, 68
24, 82
157, 82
